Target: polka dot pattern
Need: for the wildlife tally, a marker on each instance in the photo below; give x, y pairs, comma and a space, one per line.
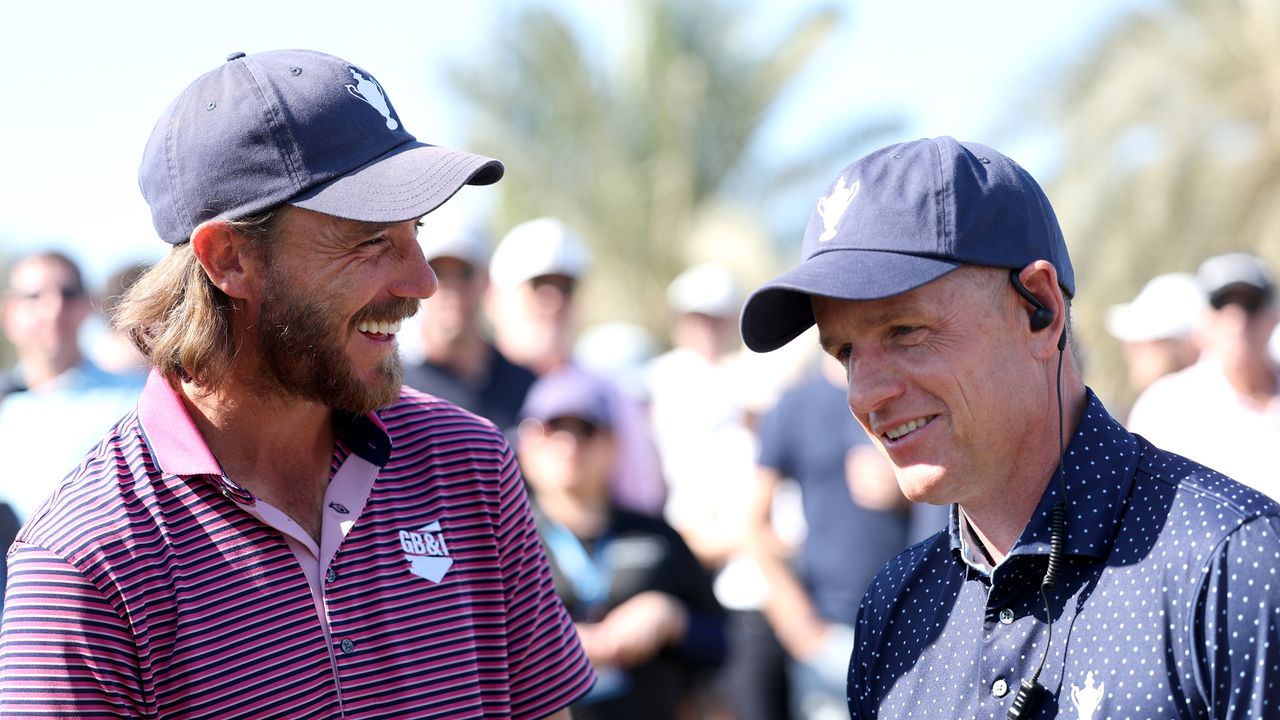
1167, 605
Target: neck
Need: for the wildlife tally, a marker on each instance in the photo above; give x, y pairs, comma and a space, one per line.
39, 370
999, 521
465, 355
1253, 379
279, 448
585, 517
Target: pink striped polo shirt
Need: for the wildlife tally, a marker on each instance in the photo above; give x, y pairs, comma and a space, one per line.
152, 586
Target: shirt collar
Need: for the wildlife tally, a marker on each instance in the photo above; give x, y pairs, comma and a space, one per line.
970, 546
179, 449
1098, 470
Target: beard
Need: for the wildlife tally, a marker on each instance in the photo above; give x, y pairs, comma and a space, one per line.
303, 351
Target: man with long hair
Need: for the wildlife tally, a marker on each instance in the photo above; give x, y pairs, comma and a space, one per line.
281, 529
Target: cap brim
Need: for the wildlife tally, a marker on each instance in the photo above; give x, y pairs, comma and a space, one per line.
780, 311
407, 182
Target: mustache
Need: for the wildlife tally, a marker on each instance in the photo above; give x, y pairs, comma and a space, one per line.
391, 310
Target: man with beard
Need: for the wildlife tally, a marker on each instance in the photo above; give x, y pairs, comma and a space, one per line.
280, 529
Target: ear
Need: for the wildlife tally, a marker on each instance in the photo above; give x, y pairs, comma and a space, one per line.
1041, 279
232, 265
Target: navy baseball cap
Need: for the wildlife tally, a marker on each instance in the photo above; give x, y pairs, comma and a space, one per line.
904, 216
293, 126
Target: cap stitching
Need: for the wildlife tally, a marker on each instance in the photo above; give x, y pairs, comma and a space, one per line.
943, 196
180, 216
279, 131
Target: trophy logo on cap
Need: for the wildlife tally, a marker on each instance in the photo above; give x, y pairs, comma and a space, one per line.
832, 206
368, 90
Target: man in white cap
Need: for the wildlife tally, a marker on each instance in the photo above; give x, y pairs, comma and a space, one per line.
695, 406
534, 276
1224, 411
459, 363
281, 529
1155, 328
700, 422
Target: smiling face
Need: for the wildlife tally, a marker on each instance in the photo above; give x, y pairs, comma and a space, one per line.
333, 296
940, 378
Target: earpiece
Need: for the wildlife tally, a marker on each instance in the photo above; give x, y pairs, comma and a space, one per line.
1030, 691
1042, 317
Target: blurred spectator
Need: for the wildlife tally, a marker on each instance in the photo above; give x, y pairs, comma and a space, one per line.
534, 274
693, 405
708, 458
1224, 411
62, 403
460, 364
642, 603
857, 521
113, 351
1155, 328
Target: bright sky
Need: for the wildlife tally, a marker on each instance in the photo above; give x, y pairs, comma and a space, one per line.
87, 80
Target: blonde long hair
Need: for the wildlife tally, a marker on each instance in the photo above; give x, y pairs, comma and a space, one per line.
179, 320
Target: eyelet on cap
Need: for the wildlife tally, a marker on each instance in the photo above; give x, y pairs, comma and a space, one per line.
235, 56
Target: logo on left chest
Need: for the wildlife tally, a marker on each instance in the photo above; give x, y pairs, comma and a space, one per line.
1088, 698
426, 551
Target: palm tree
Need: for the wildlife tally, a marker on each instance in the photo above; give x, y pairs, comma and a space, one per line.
1172, 153
638, 150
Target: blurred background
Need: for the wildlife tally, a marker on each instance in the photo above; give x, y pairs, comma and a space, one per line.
669, 132
680, 146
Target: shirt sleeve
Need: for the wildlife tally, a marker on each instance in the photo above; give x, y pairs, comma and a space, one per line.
64, 650
704, 643
1236, 625
549, 669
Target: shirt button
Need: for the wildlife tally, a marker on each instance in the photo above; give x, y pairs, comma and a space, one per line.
999, 688
1006, 616
330, 575
349, 647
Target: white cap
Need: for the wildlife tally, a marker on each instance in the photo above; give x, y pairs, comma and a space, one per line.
451, 234
1166, 307
539, 247
708, 289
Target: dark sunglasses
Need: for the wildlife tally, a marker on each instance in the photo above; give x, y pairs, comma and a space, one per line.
563, 283
1248, 300
459, 272
66, 292
580, 429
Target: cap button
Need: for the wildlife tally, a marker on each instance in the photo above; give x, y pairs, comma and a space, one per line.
235, 56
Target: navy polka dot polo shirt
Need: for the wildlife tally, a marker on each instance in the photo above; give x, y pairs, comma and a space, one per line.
1167, 605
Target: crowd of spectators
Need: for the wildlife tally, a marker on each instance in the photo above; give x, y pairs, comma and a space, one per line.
665, 472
